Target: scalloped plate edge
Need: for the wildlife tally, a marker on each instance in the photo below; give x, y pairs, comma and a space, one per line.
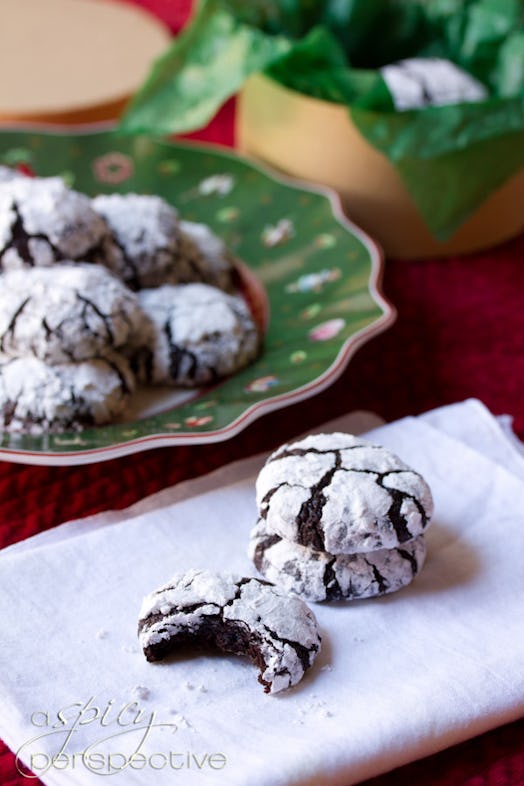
258, 409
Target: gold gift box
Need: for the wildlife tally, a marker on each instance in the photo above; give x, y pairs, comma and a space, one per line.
315, 140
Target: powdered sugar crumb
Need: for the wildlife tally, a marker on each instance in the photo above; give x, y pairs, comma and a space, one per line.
141, 692
181, 721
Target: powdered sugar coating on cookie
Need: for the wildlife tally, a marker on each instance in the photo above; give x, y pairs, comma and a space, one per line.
200, 334
341, 494
7, 174
36, 397
202, 257
43, 222
430, 81
241, 615
146, 230
317, 576
65, 313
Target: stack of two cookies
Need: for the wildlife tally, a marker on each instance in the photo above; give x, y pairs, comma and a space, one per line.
340, 518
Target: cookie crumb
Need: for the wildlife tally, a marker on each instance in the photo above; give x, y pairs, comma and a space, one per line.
181, 721
141, 692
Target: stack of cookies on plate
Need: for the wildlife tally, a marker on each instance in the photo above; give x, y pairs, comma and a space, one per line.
97, 295
339, 518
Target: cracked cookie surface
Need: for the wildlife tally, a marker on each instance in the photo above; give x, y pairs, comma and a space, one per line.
340, 494
199, 334
36, 397
202, 257
244, 616
43, 222
317, 575
65, 313
146, 231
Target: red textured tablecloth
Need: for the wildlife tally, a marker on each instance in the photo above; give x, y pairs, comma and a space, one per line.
459, 333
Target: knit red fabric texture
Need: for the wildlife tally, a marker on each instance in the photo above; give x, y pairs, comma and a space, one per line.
458, 334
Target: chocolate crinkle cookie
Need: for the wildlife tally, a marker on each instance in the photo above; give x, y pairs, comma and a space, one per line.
198, 334
317, 575
155, 248
66, 313
341, 494
43, 222
243, 616
340, 517
146, 231
36, 397
202, 257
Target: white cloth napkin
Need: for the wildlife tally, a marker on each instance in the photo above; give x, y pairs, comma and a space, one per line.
398, 678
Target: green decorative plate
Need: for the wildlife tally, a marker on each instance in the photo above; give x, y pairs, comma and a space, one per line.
312, 276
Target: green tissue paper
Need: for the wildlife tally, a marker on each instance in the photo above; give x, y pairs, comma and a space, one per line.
451, 158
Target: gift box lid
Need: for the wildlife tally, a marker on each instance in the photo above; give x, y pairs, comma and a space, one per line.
66, 61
